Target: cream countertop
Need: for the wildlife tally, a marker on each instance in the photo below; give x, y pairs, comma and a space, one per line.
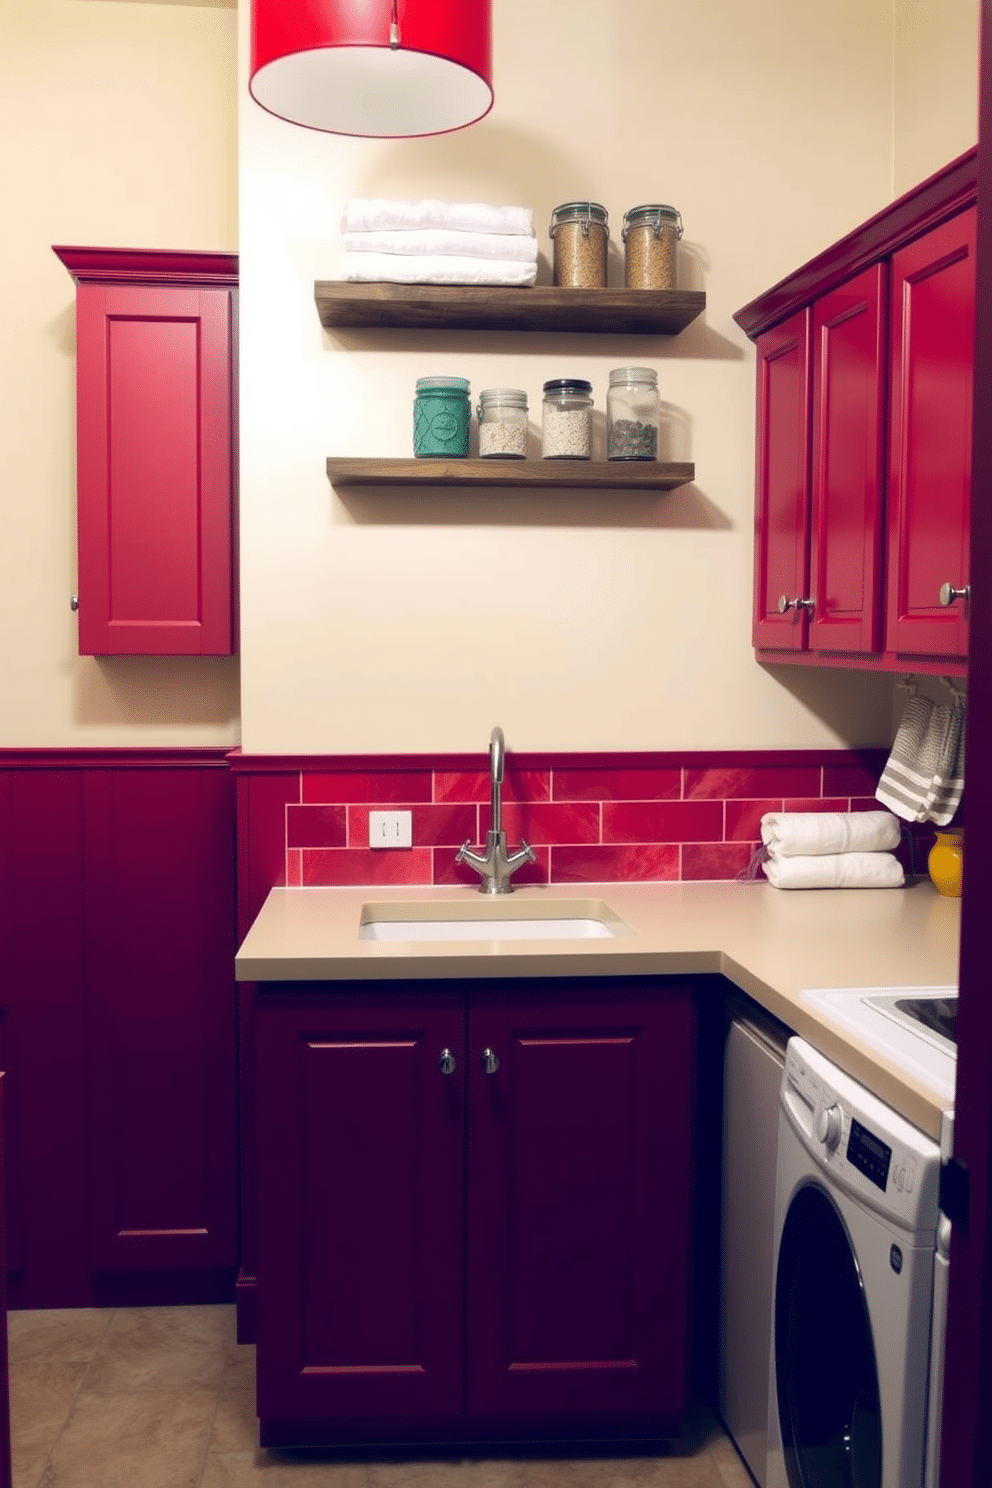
770, 943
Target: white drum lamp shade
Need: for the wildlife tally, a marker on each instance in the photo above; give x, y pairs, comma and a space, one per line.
386, 69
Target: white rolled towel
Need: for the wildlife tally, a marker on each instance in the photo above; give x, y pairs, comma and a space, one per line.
788, 834
374, 214
516, 247
439, 268
867, 870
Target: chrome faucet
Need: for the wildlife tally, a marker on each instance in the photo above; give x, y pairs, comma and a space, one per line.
496, 866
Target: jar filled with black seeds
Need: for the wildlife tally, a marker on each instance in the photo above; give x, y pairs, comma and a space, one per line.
632, 412
580, 236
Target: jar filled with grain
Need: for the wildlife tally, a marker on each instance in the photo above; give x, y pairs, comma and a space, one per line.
580, 234
502, 424
632, 410
651, 244
566, 419
441, 417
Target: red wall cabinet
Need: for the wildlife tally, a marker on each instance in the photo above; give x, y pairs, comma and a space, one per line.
116, 977
155, 434
863, 452
818, 535
499, 1250
933, 348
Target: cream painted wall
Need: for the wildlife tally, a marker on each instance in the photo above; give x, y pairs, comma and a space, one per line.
117, 127
583, 621
935, 86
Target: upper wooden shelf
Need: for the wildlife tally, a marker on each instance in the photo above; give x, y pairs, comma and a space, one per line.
445, 307
627, 475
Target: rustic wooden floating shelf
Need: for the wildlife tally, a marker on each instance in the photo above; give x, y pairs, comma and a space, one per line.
626, 475
661, 312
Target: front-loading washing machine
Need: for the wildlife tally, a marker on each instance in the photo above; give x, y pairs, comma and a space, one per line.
856, 1214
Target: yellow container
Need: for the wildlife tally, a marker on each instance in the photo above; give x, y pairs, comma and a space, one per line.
946, 862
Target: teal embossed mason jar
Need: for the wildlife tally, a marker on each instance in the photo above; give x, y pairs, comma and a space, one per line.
441, 418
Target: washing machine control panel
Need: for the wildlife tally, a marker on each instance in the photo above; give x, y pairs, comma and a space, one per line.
857, 1136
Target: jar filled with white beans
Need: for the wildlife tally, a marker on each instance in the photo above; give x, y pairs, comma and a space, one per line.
566, 419
502, 424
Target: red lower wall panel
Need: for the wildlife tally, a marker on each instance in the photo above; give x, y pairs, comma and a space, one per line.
118, 1027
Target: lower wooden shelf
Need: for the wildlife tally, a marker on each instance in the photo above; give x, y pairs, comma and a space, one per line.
627, 475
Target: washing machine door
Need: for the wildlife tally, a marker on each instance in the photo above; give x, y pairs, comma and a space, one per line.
825, 1370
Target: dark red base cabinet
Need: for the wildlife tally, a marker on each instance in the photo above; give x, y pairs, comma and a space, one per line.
155, 468
474, 1210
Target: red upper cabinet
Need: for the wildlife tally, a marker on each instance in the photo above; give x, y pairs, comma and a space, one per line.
848, 441
933, 345
781, 549
818, 537
156, 413
872, 569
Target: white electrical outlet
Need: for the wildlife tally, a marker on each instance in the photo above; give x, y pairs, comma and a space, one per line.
390, 829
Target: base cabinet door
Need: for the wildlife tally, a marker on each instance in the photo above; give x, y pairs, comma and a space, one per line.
360, 1147
580, 1114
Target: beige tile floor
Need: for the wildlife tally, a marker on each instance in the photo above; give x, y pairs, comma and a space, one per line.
163, 1397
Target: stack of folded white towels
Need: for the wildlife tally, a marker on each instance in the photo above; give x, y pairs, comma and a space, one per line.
438, 242
831, 850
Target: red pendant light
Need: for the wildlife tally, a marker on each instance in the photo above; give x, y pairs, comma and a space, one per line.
387, 69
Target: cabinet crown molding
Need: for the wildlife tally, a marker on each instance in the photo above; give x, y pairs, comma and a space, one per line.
147, 265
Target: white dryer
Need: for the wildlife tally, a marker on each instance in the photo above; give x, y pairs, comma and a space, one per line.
856, 1213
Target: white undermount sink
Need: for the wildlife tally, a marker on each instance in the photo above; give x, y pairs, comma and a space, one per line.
561, 919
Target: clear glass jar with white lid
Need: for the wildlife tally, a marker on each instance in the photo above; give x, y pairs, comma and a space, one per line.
502, 424
566, 419
632, 414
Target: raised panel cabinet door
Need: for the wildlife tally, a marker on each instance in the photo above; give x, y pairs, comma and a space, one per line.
782, 484
579, 1201
929, 495
846, 532
360, 1193
160, 1018
42, 1033
155, 469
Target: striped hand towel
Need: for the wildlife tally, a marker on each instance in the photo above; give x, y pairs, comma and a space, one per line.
910, 769
947, 786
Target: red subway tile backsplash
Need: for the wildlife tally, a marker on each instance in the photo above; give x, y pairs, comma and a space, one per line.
317, 826
640, 818
615, 863
727, 783
383, 790
663, 821
604, 784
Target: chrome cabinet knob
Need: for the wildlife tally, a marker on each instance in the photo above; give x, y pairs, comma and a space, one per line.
490, 1061
785, 604
74, 602
446, 1062
948, 593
